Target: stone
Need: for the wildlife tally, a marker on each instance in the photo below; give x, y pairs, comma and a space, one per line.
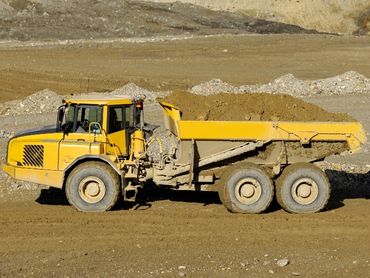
282, 262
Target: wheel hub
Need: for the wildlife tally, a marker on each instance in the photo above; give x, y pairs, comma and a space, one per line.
91, 189
248, 191
305, 191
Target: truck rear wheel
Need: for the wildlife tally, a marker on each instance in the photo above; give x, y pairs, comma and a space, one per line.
248, 190
302, 188
92, 186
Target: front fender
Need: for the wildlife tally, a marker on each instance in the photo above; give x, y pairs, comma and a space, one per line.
89, 157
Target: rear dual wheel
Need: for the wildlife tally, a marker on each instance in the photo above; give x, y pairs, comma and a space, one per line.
302, 188
247, 190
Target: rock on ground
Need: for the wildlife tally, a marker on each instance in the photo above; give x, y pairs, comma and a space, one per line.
282, 262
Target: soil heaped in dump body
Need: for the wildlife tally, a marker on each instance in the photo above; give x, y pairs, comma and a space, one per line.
253, 107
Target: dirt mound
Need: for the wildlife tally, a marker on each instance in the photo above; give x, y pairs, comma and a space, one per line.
90, 19
48, 101
241, 107
40, 102
348, 83
253, 104
128, 90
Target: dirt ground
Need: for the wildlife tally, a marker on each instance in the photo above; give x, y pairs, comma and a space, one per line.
188, 230
169, 65
173, 234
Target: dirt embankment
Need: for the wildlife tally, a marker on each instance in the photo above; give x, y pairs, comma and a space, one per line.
257, 106
363, 22
339, 16
89, 19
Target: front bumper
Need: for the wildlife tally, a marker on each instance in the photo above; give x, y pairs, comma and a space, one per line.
40, 176
9, 169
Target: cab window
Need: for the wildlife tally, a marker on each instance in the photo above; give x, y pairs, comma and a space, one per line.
86, 115
120, 118
79, 117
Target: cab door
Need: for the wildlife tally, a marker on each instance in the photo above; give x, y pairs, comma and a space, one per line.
120, 119
78, 139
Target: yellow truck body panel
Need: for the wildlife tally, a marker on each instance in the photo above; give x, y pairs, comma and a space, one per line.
43, 158
29, 151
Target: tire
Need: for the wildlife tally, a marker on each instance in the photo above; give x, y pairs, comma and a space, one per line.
221, 195
248, 190
93, 187
303, 188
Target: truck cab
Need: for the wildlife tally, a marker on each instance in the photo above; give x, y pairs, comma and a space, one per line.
86, 129
107, 121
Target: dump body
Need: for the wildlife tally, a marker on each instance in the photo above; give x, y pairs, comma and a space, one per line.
304, 132
205, 147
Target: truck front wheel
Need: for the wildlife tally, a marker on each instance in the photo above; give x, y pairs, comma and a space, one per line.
92, 187
248, 190
302, 188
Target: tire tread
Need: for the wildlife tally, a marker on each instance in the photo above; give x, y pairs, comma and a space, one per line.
224, 193
95, 164
290, 169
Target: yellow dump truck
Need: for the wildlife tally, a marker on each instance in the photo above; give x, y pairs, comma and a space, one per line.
101, 149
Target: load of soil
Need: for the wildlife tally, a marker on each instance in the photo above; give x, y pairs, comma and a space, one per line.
91, 19
250, 107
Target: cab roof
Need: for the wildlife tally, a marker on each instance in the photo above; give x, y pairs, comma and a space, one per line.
100, 99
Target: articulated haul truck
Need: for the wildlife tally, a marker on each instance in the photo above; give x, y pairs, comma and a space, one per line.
98, 151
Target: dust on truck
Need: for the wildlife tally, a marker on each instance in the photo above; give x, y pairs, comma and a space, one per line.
99, 151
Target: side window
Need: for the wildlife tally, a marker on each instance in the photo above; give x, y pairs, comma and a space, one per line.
115, 119
129, 116
119, 118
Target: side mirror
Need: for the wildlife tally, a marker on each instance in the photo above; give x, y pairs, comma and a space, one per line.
61, 118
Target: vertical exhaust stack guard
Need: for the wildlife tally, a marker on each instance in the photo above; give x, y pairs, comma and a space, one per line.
138, 144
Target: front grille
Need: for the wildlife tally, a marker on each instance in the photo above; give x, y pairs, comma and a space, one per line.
33, 155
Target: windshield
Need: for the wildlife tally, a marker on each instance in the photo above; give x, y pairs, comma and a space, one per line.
77, 118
